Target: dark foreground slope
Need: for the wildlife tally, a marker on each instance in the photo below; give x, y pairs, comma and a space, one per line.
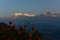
8, 32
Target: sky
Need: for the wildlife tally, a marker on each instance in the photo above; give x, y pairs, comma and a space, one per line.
9, 7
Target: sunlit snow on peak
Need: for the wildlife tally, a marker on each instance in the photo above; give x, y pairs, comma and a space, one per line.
17, 14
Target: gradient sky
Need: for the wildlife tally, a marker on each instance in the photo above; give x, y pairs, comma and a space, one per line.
8, 7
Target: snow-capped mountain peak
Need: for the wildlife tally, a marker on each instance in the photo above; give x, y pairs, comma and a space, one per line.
20, 14
17, 14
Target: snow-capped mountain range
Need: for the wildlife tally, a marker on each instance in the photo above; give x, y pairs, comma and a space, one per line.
42, 21
17, 16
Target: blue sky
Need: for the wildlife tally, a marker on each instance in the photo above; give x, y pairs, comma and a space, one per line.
9, 7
